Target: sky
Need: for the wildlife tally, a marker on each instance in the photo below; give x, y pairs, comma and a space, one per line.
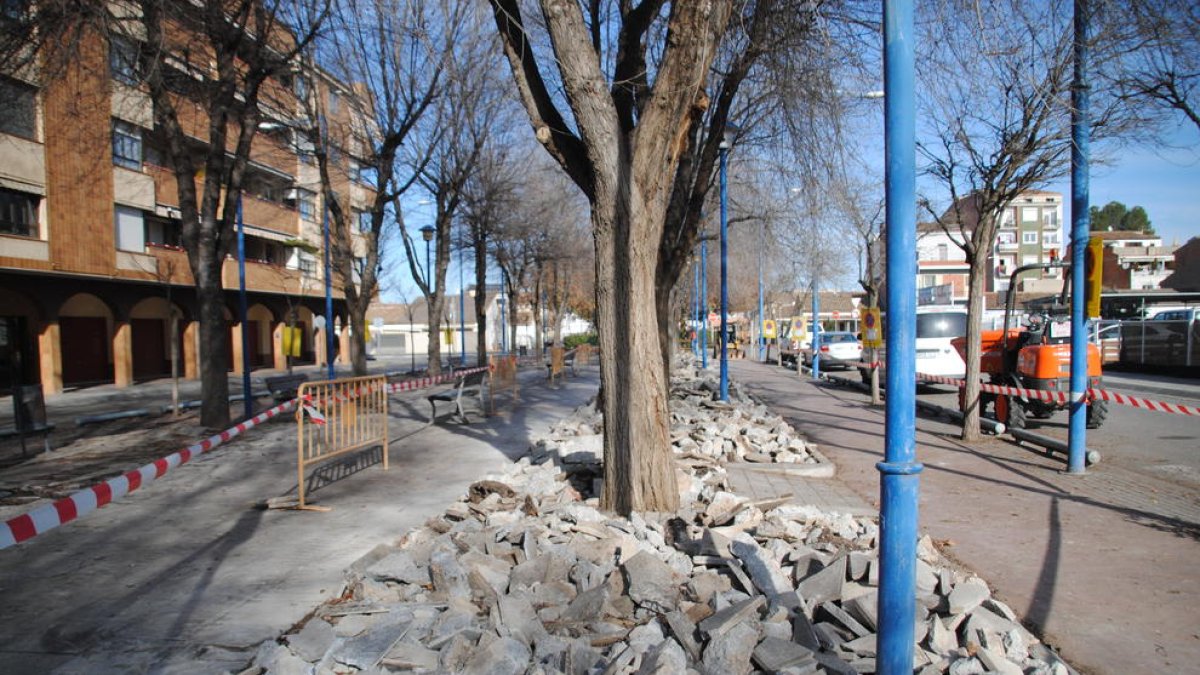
1165, 182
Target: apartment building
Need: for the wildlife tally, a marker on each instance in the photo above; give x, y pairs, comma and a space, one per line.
1031, 230
1135, 261
92, 272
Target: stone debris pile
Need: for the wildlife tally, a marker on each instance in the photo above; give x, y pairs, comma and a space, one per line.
702, 430
524, 575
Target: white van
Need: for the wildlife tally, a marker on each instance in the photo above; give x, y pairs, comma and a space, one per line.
936, 327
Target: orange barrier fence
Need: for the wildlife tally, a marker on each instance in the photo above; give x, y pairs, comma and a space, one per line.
503, 380
337, 417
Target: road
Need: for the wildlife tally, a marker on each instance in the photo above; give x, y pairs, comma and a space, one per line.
1157, 444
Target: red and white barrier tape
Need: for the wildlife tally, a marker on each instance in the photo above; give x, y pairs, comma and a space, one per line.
44, 518
1063, 397
50, 516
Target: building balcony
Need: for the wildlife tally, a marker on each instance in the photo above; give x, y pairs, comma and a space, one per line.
270, 215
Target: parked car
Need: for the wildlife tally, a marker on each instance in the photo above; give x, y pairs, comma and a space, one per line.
1107, 334
838, 348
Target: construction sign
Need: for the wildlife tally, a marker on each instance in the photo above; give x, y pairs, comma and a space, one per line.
872, 327
292, 337
1093, 276
768, 329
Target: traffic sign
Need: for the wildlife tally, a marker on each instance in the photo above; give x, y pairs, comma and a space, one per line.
872, 334
768, 329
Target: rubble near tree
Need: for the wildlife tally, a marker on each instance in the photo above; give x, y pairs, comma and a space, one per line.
526, 575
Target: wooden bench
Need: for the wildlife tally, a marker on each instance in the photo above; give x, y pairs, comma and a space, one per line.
284, 387
466, 386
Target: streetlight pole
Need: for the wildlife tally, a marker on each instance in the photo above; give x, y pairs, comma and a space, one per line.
816, 326
695, 317
462, 310
762, 340
328, 291
1080, 225
704, 303
427, 233
724, 392
247, 399
899, 472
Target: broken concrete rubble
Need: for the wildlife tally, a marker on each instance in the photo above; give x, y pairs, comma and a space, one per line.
526, 575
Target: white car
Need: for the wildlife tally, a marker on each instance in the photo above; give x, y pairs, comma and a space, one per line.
838, 348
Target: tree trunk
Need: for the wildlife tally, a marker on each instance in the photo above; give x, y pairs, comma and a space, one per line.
357, 311
214, 337
639, 472
970, 427
434, 353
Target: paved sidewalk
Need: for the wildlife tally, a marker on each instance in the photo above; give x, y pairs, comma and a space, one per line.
1101, 566
188, 575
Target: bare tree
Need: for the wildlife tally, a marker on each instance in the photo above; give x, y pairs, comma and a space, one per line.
621, 148
397, 53
1016, 57
445, 152
1161, 64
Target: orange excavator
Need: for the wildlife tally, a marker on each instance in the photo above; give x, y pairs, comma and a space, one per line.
1036, 356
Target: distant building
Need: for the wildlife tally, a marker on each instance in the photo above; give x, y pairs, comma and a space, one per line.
1185, 276
1135, 261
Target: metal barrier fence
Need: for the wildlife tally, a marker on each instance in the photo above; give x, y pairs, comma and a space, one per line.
583, 354
558, 360
503, 380
337, 417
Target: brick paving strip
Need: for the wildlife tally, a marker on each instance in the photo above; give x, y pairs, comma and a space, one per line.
1101, 566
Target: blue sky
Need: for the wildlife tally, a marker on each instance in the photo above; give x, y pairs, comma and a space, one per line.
1164, 181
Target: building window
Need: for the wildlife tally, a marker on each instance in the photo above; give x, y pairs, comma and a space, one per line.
19, 213
1031, 259
123, 60
1007, 219
18, 109
1051, 239
1005, 239
162, 232
127, 145
943, 252
131, 229
334, 102
1029, 214
364, 221
306, 204
1050, 218
1029, 237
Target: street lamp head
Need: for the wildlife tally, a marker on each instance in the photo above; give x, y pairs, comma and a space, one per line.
727, 136
427, 232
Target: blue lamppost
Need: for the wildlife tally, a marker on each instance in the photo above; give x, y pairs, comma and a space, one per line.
247, 399
695, 314
725, 143
816, 326
1080, 225
328, 291
462, 310
899, 472
704, 303
762, 340
427, 233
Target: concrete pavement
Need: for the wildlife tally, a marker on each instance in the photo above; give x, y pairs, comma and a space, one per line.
188, 574
1101, 565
